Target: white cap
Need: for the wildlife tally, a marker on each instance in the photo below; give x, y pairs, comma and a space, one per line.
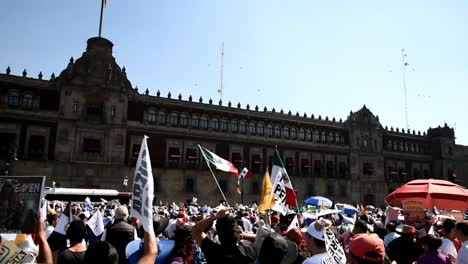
320, 235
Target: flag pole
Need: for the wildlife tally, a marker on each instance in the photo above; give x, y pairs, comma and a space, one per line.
282, 164
100, 19
212, 173
242, 190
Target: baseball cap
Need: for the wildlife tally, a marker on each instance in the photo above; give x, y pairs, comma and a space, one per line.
121, 212
368, 247
320, 235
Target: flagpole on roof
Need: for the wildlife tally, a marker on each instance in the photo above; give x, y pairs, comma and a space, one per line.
212, 173
100, 19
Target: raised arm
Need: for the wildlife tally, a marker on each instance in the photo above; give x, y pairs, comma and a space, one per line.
151, 249
45, 254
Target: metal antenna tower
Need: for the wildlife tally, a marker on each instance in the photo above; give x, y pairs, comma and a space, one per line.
220, 90
404, 63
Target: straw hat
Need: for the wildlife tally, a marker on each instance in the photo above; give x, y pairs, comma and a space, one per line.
405, 229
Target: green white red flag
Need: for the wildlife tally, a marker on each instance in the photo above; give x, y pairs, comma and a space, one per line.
218, 162
283, 191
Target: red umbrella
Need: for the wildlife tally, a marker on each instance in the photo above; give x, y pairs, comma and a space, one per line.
444, 195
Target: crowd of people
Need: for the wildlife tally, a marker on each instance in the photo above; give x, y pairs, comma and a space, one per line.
190, 233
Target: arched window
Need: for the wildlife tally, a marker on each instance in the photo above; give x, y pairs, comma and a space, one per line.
270, 130
337, 138
183, 120
13, 98
316, 136
406, 146
417, 148
174, 118
223, 124
151, 116
195, 121
389, 144
301, 134
27, 100
204, 122
162, 118
324, 137
401, 146
293, 133
260, 129
215, 124
395, 145
234, 126
331, 138
277, 131
308, 135
243, 127
252, 129
412, 147
286, 132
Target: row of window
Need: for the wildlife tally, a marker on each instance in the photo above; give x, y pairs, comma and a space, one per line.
35, 150
401, 175
304, 167
253, 187
243, 127
15, 99
404, 146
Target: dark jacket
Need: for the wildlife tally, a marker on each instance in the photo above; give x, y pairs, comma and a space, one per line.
119, 234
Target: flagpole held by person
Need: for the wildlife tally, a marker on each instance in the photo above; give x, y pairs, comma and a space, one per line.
220, 164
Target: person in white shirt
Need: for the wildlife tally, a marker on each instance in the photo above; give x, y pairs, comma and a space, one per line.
392, 234
447, 247
315, 240
52, 220
461, 230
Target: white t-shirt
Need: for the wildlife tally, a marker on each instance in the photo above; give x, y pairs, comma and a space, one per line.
49, 230
322, 258
462, 257
448, 248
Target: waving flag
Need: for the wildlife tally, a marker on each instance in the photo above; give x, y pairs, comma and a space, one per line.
218, 162
245, 173
96, 223
283, 191
143, 186
267, 195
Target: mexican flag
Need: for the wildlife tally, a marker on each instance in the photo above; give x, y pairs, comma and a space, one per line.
220, 163
283, 191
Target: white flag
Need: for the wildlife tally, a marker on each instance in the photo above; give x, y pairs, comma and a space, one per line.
44, 210
96, 223
62, 224
142, 196
294, 224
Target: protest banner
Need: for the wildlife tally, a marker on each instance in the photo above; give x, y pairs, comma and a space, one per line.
11, 254
334, 247
20, 198
142, 197
413, 210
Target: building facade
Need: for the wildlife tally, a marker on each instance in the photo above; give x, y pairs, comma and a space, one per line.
84, 127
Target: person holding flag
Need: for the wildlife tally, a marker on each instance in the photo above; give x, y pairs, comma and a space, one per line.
142, 201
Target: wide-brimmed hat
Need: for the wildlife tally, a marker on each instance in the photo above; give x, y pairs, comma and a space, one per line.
405, 229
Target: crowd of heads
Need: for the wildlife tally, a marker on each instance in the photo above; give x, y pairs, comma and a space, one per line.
244, 235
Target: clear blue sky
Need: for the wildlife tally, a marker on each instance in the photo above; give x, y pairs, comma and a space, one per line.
320, 57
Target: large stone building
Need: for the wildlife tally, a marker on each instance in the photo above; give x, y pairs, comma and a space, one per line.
84, 127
